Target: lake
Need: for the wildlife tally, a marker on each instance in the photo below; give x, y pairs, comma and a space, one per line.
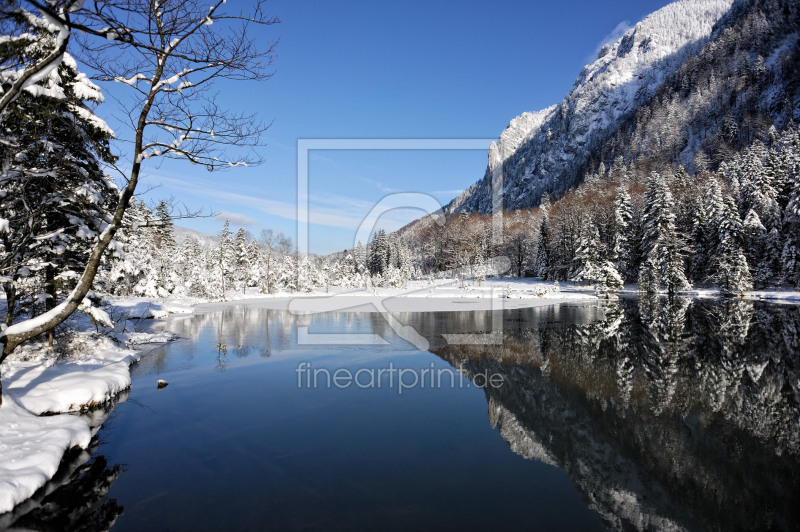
633, 414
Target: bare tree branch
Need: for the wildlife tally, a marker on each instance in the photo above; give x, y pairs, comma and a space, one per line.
152, 45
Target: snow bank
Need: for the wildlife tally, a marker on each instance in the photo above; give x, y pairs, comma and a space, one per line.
71, 386
31, 448
144, 307
34, 383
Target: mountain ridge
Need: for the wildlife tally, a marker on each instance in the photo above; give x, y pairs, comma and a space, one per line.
548, 152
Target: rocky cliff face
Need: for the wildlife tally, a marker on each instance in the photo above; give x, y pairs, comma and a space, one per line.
662, 91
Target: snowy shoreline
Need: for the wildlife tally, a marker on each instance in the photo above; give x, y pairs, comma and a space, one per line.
32, 445
41, 396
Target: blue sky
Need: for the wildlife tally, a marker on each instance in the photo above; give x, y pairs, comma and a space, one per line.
366, 69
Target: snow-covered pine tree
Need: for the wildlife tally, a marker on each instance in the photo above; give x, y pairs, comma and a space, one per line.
165, 228
705, 231
730, 264
194, 270
164, 233
254, 253
479, 265
378, 253
586, 264
55, 195
756, 236
589, 265
306, 274
790, 256
624, 237
756, 183
241, 259
143, 256
224, 259
661, 245
541, 261
618, 171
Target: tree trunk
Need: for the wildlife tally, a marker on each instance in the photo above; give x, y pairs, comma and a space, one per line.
50, 302
11, 301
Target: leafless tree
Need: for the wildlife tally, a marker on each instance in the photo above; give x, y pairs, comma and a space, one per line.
169, 53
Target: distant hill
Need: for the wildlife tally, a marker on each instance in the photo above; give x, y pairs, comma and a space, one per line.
206, 242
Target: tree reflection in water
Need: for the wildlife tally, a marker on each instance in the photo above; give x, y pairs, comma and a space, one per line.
665, 413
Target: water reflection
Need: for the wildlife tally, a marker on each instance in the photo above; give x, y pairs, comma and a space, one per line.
76, 498
664, 413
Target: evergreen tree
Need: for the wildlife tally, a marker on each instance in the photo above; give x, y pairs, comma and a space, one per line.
586, 264
541, 260
224, 259
732, 271
589, 265
661, 245
790, 256
55, 195
624, 237
241, 259
194, 269
705, 231
165, 229
618, 171
164, 233
360, 258
479, 264
378, 254
756, 251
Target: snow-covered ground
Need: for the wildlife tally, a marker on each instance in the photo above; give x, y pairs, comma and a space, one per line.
773, 295
35, 382
419, 296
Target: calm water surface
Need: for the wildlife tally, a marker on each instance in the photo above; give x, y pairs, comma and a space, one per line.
631, 415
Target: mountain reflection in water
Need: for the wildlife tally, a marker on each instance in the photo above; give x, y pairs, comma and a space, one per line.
664, 413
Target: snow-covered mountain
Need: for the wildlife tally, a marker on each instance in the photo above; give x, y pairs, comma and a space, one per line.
662, 91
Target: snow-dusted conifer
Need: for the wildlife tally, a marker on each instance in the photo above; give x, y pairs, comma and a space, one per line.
541, 259
586, 264
705, 231
378, 253
731, 269
241, 259
224, 260
55, 195
790, 256
624, 236
662, 265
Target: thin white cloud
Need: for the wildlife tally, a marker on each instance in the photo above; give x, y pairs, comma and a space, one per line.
380, 186
325, 209
618, 31
455, 192
236, 219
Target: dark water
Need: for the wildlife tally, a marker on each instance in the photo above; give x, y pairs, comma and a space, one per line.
630, 415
